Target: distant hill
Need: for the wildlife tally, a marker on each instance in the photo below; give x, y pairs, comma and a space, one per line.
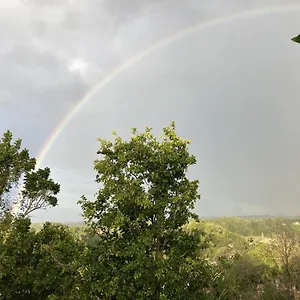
204, 218
39, 225
255, 217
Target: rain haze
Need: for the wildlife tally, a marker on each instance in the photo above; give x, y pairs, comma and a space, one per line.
231, 87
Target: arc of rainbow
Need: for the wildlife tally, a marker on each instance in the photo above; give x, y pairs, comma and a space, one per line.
147, 52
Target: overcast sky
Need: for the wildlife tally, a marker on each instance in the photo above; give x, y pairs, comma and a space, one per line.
232, 89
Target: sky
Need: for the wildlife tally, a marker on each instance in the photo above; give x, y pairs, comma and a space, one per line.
231, 88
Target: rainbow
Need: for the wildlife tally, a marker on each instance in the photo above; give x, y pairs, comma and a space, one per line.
147, 52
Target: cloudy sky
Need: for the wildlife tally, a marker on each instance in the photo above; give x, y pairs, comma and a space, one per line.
231, 88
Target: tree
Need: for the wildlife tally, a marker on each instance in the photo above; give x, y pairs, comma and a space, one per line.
14, 162
16, 166
145, 199
284, 249
38, 265
241, 276
57, 263
39, 191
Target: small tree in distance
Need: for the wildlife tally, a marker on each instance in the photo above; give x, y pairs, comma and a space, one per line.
144, 200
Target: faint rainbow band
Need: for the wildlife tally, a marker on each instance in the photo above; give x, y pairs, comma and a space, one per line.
147, 52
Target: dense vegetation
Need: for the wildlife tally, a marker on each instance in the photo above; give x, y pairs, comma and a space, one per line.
140, 239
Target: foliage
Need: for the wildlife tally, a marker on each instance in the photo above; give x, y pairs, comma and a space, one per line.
39, 191
141, 239
37, 265
240, 276
296, 39
16, 165
145, 199
14, 162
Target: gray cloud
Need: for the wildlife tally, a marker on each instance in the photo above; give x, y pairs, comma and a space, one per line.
198, 81
47, 3
231, 100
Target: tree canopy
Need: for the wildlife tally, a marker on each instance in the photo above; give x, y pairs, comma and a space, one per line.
143, 202
17, 170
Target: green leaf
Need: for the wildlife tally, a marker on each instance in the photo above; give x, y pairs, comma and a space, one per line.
142, 204
296, 39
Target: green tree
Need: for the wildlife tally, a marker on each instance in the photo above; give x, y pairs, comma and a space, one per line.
17, 167
57, 263
38, 265
241, 276
14, 162
39, 191
145, 199
285, 246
